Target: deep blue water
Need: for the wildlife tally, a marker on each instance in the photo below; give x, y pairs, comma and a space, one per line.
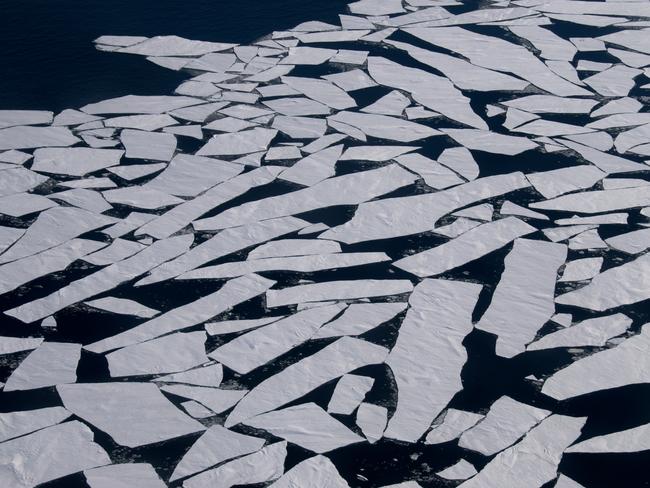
49, 62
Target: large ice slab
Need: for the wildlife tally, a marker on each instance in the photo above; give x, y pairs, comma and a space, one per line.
428, 356
372, 419
10, 345
230, 294
629, 440
534, 460
341, 357
630, 280
138, 104
264, 465
523, 300
124, 475
506, 422
315, 472
52, 363
253, 349
75, 161
306, 425
49, 454
350, 391
626, 364
123, 411
168, 354
102, 280
467, 247
590, 332
245, 142
27, 137
215, 446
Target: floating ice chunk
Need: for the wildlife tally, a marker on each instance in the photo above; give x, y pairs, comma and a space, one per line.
127, 224
346, 56
297, 106
198, 113
193, 131
232, 326
244, 111
211, 62
178, 217
308, 55
229, 124
504, 424
371, 419
10, 118
626, 141
9, 235
340, 357
206, 376
14, 157
550, 45
83, 198
385, 127
612, 218
597, 201
630, 58
588, 44
58, 258
619, 106
349, 393
102, 280
581, 269
376, 7
140, 197
453, 424
427, 361
351, 80
132, 172
233, 292
472, 245
20, 204
617, 183
551, 184
148, 122
174, 46
315, 167
459, 471
625, 364
332, 36
456, 228
300, 127
294, 247
303, 264
350, 189
322, 91
148, 145
526, 290
188, 175
478, 212
585, 65
550, 128
543, 104
169, 62
377, 153
616, 81
316, 472
27, 137
264, 344
282, 153
222, 244
49, 454
168, 354
73, 117
591, 332
432, 91
498, 54
307, 426
123, 411
123, 306
52, 363
215, 446
392, 104
137, 104
460, 160
125, 475
464, 75
360, 318
516, 117
628, 440
336, 290
15, 424
633, 242
492, 142
566, 482
264, 465
196, 410
217, 400
10, 345
434, 174
558, 234
244, 142
119, 41
630, 38
542, 448
400, 216
606, 162
598, 140
269, 75
119, 249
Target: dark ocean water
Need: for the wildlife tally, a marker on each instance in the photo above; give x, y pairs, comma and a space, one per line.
49, 61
